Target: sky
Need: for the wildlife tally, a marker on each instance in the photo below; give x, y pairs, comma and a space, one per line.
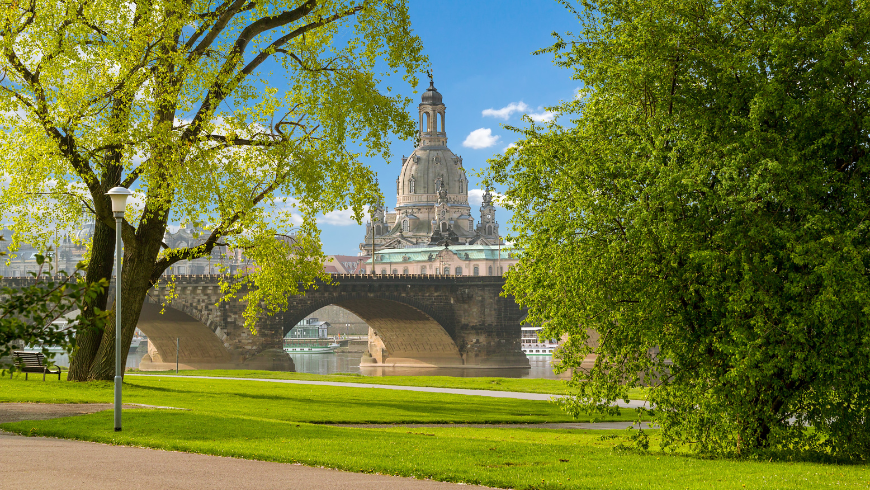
481, 57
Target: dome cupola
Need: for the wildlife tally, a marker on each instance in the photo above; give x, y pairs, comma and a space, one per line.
432, 109
431, 96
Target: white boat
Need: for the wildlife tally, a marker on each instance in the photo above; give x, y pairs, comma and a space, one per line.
533, 346
309, 346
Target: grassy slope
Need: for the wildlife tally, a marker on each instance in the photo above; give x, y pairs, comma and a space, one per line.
262, 421
521, 385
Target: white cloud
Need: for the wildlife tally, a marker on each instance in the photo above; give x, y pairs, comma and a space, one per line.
521, 107
475, 197
543, 116
508, 147
480, 138
506, 111
342, 217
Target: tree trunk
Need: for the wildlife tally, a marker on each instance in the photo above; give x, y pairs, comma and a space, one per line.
136, 273
88, 335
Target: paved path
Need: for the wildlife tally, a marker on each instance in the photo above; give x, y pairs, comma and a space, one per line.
59, 463
427, 389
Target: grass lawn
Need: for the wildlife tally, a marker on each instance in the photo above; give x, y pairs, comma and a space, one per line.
521, 385
292, 402
268, 422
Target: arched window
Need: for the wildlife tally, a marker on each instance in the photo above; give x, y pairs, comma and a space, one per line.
437, 271
443, 227
442, 122
395, 271
459, 271
405, 271
406, 225
501, 271
377, 229
490, 270
489, 229
384, 271
476, 271
411, 190
425, 122
423, 269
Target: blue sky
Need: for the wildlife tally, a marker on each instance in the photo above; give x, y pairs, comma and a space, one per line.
481, 56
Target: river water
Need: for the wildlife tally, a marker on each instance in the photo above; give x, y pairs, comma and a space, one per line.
348, 362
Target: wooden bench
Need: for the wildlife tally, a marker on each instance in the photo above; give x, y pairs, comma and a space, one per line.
32, 362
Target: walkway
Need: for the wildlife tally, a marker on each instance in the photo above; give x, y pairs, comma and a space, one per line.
455, 391
58, 463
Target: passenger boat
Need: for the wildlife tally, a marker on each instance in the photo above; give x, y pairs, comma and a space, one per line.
533, 346
309, 346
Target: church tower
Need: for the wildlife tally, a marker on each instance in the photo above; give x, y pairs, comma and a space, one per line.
431, 192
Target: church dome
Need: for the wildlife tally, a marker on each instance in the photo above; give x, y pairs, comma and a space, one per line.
426, 171
431, 96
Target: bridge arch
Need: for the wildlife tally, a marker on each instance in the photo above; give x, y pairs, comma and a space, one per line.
401, 333
198, 343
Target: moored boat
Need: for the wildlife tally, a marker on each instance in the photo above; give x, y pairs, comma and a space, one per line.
533, 346
309, 346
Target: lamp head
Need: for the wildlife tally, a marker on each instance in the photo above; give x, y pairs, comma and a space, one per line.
119, 197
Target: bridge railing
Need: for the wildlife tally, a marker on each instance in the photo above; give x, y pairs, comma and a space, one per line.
337, 277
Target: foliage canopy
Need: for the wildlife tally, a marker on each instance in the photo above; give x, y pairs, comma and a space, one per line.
707, 214
239, 116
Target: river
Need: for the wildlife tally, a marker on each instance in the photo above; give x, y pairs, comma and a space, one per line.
348, 362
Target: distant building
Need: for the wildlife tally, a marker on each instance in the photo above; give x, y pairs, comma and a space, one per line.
431, 195
64, 256
457, 260
68, 253
431, 231
309, 328
344, 264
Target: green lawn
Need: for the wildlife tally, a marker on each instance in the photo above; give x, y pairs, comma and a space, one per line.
521, 385
301, 403
267, 421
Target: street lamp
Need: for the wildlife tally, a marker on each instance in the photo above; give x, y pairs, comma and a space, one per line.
119, 197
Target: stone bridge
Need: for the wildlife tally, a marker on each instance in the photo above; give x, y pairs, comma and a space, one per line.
443, 321
414, 320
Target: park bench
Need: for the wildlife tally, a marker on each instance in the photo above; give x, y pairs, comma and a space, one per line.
32, 362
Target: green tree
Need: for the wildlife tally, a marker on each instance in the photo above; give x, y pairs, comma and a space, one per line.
29, 314
173, 100
706, 212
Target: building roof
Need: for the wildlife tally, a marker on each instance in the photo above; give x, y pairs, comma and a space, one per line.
474, 252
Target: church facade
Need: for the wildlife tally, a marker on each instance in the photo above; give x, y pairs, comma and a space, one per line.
432, 229
431, 195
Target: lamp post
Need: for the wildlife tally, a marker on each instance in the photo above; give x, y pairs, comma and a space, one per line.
119, 197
